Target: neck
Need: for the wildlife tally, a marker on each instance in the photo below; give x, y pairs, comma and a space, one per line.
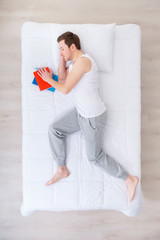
76, 55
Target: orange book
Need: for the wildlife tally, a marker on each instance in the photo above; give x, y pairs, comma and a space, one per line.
41, 83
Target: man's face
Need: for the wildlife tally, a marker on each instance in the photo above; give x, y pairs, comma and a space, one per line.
64, 50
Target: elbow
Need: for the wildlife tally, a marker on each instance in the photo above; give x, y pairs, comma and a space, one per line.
66, 91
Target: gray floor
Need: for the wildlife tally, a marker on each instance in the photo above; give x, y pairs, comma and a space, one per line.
88, 225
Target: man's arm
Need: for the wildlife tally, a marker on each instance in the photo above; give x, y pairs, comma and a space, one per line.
62, 71
73, 77
62, 80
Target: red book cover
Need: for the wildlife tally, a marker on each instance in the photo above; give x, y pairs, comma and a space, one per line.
41, 83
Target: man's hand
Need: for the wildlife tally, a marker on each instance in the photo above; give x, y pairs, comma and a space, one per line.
45, 75
61, 56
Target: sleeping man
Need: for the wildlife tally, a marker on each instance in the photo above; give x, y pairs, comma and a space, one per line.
80, 79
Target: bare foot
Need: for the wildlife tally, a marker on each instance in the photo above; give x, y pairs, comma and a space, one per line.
132, 182
62, 172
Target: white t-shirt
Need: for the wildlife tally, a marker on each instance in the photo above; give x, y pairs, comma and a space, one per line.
86, 94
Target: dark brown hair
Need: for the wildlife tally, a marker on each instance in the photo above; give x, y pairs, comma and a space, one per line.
70, 38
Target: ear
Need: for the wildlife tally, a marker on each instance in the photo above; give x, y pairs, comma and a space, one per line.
73, 46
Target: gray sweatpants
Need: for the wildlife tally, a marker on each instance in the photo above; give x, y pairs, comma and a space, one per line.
91, 129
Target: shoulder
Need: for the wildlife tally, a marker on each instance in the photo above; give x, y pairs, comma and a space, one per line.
84, 63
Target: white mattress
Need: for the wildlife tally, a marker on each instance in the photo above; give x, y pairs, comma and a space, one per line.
87, 187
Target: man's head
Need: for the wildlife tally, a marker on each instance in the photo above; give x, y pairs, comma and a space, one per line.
69, 44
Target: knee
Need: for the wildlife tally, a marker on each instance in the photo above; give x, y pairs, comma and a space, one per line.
93, 156
92, 159
52, 128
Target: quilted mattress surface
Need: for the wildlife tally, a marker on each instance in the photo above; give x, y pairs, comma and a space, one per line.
87, 187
